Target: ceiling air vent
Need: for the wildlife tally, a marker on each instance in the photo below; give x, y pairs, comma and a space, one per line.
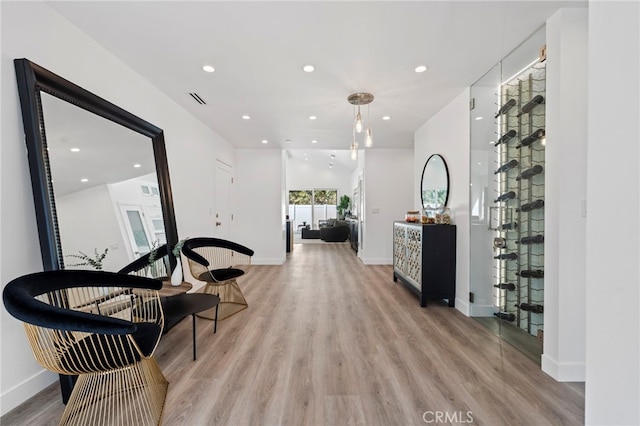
197, 98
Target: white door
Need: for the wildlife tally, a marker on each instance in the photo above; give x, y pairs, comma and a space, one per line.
223, 215
136, 229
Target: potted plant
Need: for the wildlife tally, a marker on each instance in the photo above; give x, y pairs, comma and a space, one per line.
95, 261
343, 206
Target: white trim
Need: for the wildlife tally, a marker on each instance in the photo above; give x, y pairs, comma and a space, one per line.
268, 261
25, 390
462, 306
482, 310
377, 261
565, 371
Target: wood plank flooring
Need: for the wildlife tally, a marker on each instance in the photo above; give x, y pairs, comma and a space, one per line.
329, 341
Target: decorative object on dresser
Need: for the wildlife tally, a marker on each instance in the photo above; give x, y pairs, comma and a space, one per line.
424, 259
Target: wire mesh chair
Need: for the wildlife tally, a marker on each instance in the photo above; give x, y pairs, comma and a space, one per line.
103, 327
219, 263
154, 264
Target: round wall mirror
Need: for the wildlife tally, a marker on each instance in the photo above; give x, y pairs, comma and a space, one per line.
434, 187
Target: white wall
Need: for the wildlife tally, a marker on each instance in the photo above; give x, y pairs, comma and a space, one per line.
447, 134
87, 221
34, 31
259, 215
613, 218
565, 193
306, 175
388, 175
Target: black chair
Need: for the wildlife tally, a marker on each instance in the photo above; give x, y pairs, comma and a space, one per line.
335, 234
154, 264
103, 327
219, 263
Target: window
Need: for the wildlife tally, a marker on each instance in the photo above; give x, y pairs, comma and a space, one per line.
308, 207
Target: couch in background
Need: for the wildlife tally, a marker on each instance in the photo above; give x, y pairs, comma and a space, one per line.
334, 231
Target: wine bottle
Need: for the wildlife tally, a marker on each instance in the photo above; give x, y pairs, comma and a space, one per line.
506, 196
531, 273
510, 225
531, 138
537, 204
537, 100
506, 107
506, 137
536, 309
536, 239
505, 286
529, 173
507, 256
506, 166
505, 316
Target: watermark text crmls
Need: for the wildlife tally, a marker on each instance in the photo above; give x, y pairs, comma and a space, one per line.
436, 417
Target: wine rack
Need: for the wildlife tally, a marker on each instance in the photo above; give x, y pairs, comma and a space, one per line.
519, 200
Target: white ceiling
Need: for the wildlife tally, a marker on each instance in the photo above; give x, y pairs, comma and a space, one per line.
258, 50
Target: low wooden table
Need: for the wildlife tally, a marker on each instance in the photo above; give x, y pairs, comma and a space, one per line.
168, 290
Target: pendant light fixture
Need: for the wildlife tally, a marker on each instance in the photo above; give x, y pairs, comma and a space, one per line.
358, 99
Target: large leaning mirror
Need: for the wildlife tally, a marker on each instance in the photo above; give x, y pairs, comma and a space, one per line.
99, 174
434, 187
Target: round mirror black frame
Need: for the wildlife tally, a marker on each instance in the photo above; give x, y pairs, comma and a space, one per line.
446, 169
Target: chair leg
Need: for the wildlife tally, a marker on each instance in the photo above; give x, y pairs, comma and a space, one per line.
215, 321
193, 328
132, 395
232, 300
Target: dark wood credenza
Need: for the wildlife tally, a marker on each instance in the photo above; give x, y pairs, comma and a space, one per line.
424, 260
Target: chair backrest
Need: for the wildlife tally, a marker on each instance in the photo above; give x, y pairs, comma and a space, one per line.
206, 253
86, 321
154, 264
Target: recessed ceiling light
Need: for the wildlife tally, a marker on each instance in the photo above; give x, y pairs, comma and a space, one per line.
208, 68
246, 117
333, 156
421, 68
479, 118
308, 68
386, 117
137, 166
84, 180
312, 117
479, 163
75, 150
314, 141
288, 141
265, 141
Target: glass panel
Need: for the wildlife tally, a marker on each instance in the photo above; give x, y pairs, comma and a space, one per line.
96, 166
506, 197
139, 234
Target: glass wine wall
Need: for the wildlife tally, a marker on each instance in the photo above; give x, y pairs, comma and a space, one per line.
519, 205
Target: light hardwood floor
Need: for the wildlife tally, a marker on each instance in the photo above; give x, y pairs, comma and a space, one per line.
329, 341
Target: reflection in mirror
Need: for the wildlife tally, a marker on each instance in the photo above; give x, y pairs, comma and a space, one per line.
120, 208
105, 186
434, 188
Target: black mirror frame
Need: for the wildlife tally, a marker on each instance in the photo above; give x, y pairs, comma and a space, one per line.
32, 79
446, 169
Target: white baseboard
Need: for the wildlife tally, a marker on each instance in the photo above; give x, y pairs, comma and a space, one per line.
482, 310
462, 306
563, 371
18, 394
377, 261
268, 261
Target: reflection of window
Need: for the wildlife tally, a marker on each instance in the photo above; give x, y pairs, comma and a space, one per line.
434, 197
312, 205
150, 190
